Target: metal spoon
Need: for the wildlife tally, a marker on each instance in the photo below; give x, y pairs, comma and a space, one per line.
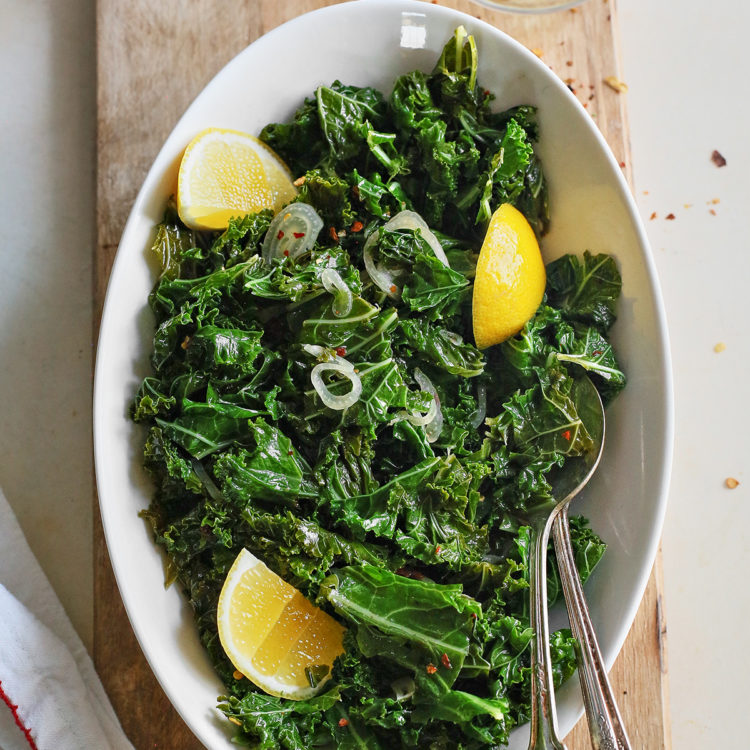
605, 724
568, 483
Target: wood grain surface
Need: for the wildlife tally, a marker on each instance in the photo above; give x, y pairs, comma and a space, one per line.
153, 58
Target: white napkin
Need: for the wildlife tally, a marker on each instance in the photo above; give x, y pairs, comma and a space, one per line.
53, 697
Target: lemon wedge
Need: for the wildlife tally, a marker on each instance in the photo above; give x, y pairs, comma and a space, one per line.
510, 278
225, 173
271, 632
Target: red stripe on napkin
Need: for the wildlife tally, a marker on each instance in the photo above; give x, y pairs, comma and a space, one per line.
14, 710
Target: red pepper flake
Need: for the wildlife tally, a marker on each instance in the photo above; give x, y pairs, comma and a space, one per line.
653, 216
286, 253
341, 351
712, 211
569, 63
298, 235
358, 226
622, 165
566, 434
446, 662
473, 615
394, 288
486, 92
431, 669
598, 353
670, 217
334, 234
291, 453
343, 722
280, 235
437, 549
718, 159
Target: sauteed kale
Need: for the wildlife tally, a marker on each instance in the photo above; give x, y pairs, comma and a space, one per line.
411, 534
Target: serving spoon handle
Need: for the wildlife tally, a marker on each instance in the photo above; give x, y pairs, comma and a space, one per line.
605, 723
543, 729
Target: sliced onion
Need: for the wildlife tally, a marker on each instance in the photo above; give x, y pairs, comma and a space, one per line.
424, 419
478, 417
331, 400
434, 428
383, 279
315, 350
293, 231
420, 420
403, 688
333, 363
342, 295
412, 220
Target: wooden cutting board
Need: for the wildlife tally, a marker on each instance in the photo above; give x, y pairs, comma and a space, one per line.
153, 59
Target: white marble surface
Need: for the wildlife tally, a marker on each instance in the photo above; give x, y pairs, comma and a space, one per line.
685, 64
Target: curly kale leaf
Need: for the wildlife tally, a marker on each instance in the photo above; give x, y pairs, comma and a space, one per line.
432, 619
273, 470
270, 723
585, 290
443, 348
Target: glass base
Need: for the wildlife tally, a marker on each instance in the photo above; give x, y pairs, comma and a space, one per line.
529, 6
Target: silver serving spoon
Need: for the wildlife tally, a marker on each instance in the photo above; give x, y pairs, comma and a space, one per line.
605, 724
568, 483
